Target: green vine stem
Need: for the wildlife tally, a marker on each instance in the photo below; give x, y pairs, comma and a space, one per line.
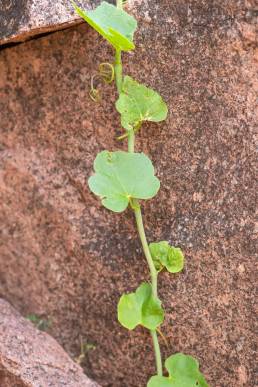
138, 213
119, 4
122, 179
131, 139
154, 277
141, 231
118, 71
118, 61
158, 357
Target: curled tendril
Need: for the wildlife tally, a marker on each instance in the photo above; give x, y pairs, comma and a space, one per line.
163, 337
94, 92
106, 74
122, 137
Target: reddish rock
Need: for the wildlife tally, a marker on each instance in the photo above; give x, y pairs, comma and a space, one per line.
65, 257
31, 358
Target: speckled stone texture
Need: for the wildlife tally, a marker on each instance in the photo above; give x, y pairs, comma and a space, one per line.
30, 358
66, 258
22, 19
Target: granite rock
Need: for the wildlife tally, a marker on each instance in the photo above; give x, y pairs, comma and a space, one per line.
65, 257
23, 19
31, 358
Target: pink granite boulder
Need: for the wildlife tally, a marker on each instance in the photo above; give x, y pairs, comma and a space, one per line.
31, 358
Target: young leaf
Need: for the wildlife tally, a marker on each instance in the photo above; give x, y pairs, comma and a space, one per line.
183, 372
159, 253
140, 308
121, 176
114, 24
175, 261
164, 255
138, 103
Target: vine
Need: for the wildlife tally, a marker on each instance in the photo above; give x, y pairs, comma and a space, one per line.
122, 179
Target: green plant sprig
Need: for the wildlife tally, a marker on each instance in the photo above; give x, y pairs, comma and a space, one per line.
122, 179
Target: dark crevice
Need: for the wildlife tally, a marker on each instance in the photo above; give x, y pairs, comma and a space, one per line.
37, 36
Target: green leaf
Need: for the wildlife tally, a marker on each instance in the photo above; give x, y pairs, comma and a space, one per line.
159, 253
175, 262
114, 24
159, 381
140, 308
138, 103
167, 256
183, 372
121, 176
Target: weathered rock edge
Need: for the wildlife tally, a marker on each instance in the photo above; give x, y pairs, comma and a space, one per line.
22, 19
31, 358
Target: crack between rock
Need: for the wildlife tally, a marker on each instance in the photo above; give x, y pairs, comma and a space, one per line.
38, 33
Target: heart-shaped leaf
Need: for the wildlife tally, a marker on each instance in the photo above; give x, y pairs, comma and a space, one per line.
114, 24
167, 256
140, 308
183, 372
138, 103
121, 176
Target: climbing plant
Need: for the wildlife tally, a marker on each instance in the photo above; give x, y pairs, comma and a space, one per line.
122, 179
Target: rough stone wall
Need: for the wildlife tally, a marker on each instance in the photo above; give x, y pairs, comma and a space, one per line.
65, 257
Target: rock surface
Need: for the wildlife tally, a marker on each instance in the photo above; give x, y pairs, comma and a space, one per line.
22, 19
31, 358
65, 257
